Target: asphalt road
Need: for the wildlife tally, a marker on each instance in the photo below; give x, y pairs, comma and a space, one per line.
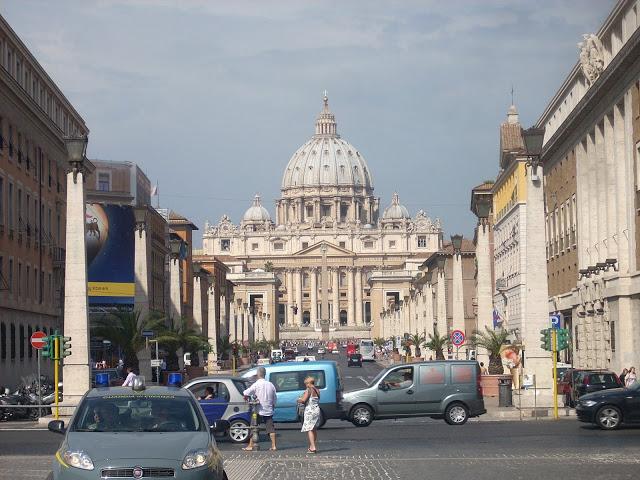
411, 448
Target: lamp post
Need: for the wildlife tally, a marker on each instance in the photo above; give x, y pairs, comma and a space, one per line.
76, 370
533, 139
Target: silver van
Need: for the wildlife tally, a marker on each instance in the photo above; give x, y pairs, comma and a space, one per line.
438, 389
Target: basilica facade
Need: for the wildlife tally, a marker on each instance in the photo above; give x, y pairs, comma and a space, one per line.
329, 263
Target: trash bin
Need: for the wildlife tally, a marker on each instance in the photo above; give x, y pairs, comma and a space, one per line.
505, 398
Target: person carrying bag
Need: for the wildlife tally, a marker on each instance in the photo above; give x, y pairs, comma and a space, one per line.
309, 408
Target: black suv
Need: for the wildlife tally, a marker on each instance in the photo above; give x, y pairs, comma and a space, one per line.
611, 408
355, 360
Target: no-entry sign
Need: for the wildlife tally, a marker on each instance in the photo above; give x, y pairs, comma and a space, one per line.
457, 337
38, 340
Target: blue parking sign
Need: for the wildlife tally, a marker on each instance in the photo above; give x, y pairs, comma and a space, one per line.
555, 321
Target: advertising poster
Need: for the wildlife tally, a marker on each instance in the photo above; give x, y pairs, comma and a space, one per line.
110, 254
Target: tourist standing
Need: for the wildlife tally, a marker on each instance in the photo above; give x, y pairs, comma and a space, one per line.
311, 400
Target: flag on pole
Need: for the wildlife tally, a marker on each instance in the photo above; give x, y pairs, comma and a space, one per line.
497, 318
154, 190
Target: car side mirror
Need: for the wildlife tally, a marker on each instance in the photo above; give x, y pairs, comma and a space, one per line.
383, 386
219, 426
57, 426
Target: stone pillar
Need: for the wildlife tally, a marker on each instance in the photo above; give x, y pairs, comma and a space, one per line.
245, 325
359, 318
537, 361
457, 307
212, 330
428, 306
351, 319
601, 193
289, 316
441, 313
484, 286
335, 291
610, 187
316, 210
298, 283
175, 292
314, 296
336, 209
141, 299
76, 371
621, 189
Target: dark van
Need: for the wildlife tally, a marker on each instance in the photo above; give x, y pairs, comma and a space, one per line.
437, 389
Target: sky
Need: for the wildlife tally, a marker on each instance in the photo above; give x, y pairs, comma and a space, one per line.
211, 98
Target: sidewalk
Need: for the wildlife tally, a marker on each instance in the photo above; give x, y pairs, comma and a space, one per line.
496, 413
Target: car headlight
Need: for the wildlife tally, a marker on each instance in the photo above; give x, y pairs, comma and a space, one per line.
195, 459
77, 459
588, 403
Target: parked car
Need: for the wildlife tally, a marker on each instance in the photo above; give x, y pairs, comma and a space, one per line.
437, 389
321, 351
610, 408
354, 360
578, 382
288, 379
289, 355
227, 403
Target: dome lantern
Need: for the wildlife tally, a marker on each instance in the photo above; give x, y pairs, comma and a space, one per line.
256, 212
396, 211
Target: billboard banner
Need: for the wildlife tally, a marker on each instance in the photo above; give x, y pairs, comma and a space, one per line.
110, 254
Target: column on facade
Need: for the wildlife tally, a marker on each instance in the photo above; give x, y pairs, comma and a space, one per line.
141, 299
300, 210
592, 199
601, 188
351, 318
212, 329
582, 201
358, 287
233, 326
317, 210
175, 290
621, 190
441, 299
352, 209
610, 186
197, 302
288, 314
245, 324
336, 209
335, 291
428, 305
297, 280
457, 304
484, 286
367, 210
313, 276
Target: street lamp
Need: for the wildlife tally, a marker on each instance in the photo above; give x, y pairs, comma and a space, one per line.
140, 214
175, 247
440, 261
76, 151
197, 268
533, 140
456, 241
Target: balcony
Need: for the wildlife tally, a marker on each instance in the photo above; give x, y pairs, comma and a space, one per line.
501, 284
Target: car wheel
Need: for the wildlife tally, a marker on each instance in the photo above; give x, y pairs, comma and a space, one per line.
609, 417
361, 415
50, 476
239, 431
456, 414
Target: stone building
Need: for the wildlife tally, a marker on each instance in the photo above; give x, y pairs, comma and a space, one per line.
591, 160
34, 117
332, 260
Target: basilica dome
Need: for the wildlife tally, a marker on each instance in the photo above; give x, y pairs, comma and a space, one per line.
396, 211
327, 160
256, 212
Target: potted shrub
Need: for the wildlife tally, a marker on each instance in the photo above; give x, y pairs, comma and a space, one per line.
437, 343
244, 355
417, 339
492, 341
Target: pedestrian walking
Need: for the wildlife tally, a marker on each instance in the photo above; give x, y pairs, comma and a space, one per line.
311, 400
623, 376
128, 382
631, 377
265, 392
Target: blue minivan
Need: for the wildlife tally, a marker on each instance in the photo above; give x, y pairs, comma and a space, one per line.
288, 379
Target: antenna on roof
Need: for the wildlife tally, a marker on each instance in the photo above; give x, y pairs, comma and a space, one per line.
512, 95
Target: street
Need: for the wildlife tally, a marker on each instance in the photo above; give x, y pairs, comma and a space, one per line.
392, 449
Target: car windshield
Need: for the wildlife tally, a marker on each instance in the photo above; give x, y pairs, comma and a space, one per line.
378, 377
138, 413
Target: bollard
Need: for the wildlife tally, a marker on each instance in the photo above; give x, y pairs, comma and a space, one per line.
255, 435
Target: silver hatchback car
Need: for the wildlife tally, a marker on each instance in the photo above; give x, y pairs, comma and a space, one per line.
438, 389
120, 432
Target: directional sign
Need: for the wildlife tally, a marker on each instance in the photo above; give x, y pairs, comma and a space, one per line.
555, 321
148, 333
38, 340
457, 337
156, 363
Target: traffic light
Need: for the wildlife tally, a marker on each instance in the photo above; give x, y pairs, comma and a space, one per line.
545, 339
47, 350
65, 347
562, 338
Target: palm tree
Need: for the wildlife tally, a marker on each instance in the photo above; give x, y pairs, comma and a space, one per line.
418, 339
224, 347
437, 343
379, 342
124, 329
492, 341
182, 335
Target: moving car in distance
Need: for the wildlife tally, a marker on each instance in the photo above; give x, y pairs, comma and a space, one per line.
354, 360
367, 350
305, 358
137, 432
321, 351
611, 408
276, 355
448, 389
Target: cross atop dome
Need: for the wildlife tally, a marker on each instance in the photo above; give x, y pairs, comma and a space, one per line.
326, 122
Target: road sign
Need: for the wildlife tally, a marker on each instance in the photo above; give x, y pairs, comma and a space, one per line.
156, 363
555, 320
38, 340
457, 337
148, 333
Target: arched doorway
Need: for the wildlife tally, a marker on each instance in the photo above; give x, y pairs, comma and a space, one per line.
343, 318
306, 318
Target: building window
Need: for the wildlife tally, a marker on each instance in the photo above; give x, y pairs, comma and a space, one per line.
19, 279
305, 245
22, 342
392, 244
326, 210
3, 341
10, 276
13, 341
104, 182
309, 211
344, 211
10, 207
368, 244
279, 246
1, 197
612, 326
343, 244
254, 246
422, 241
225, 244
